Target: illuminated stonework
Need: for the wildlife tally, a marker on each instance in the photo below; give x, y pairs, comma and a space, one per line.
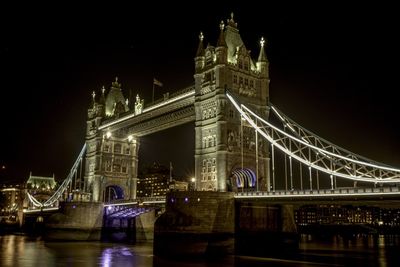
111, 156
219, 144
139, 104
115, 101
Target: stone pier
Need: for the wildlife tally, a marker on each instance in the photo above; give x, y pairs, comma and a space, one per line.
76, 221
202, 223
196, 223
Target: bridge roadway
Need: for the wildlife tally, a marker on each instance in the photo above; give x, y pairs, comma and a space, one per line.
340, 193
380, 196
350, 194
125, 202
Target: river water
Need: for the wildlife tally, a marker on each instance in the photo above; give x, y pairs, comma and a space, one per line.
20, 250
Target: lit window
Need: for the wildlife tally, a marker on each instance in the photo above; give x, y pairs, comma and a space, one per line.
117, 148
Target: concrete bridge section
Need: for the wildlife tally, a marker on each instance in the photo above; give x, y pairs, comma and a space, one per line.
250, 223
212, 223
76, 221
129, 221
198, 223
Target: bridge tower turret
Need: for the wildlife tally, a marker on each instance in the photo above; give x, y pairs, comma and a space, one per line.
112, 155
93, 141
263, 69
219, 135
199, 59
221, 49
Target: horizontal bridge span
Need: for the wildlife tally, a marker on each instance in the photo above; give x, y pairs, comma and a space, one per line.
162, 122
171, 112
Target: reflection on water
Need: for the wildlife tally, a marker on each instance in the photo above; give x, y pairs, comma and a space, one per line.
363, 250
25, 251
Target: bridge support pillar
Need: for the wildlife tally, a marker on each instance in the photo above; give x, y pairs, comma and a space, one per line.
76, 221
144, 226
196, 223
269, 228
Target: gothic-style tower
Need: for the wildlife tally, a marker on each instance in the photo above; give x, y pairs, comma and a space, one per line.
225, 149
111, 157
93, 141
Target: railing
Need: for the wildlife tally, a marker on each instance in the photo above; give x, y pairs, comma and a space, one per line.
138, 201
340, 192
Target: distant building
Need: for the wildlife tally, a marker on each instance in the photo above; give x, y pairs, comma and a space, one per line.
178, 186
347, 214
11, 199
41, 187
40, 183
154, 181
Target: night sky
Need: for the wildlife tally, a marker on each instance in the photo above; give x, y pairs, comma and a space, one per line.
334, 69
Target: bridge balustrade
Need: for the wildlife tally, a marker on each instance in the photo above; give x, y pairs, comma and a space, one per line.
307, 192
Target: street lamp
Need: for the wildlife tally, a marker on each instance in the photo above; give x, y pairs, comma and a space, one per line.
193, 180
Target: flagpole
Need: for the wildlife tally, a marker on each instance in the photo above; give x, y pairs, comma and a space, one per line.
170, 172
152, 102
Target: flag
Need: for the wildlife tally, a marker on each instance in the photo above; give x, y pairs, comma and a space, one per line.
157, 82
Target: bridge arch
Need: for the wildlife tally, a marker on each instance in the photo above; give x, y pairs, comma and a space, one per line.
113, 192
242, 179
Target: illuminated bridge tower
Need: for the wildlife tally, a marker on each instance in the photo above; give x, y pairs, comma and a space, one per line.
111, 158
224, 157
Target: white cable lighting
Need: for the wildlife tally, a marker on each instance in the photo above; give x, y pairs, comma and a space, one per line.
351, 177
63, 186
287, 120
320, 149
169, 101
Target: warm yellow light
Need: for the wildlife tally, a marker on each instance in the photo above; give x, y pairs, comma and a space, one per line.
193, 179
108, 134
130, 138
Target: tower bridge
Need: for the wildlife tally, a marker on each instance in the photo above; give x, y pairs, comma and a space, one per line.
114, 128
238, 149
236, 146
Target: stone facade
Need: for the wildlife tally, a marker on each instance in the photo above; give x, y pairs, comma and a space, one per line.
111, 157
219, 133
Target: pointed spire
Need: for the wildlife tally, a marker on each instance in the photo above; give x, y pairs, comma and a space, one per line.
231, 22
200, 49
94, 98
221, 38
103, 97
116, 84
262, 57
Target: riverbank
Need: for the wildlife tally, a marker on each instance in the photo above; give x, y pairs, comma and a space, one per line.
23, 250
